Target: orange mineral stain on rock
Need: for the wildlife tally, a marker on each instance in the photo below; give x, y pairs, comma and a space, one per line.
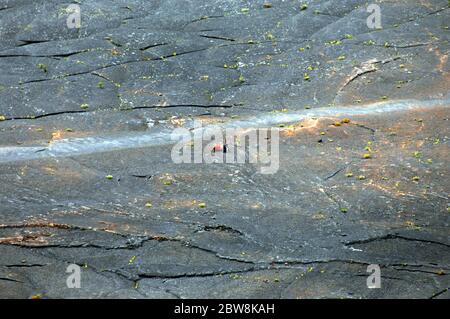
25, 240
307, 125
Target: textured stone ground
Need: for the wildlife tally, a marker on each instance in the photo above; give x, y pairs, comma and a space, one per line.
144, 67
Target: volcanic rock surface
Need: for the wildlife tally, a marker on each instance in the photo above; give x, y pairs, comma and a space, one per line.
363, 177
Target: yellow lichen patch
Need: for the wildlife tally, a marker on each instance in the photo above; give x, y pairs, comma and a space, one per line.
283, 110
337, 123
177, 121
306, 125
115, 52
202, 205
256, 206
269, 36
57, 135
417, 154
411, 224
319, 216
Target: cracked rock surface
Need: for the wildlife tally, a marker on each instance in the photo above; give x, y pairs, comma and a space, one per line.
353, 188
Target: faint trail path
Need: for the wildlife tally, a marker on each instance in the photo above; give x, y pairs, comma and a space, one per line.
98, 144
